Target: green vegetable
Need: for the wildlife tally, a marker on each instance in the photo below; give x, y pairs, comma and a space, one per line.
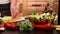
36, 15
1, 21
53, 26
25, 25
32, 13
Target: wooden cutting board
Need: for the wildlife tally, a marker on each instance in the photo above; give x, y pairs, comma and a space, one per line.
57, 27
17, 19
5, 19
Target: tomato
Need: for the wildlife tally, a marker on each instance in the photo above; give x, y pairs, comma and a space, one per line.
1, 26
8, 24
12, 26
43, 21
16, 25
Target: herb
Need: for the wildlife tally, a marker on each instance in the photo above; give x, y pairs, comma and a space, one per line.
1, 21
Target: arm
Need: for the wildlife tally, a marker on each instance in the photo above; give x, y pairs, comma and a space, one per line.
14, 8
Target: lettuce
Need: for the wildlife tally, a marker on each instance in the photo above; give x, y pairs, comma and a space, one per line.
25, 25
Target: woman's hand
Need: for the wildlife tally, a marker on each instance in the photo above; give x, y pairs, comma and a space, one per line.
14, 8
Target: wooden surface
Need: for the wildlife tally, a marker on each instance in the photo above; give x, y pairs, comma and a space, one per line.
30, 32
27, 6
10, 19
24, 7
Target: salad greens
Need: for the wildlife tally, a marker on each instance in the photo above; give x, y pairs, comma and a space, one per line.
37, 16
25, 25
1, 21
48, 16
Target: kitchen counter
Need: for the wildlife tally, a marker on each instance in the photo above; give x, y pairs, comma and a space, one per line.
35, 31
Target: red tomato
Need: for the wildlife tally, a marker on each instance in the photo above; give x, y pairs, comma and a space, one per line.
1, 26
43, 21
12, 26
16, 25
8, 24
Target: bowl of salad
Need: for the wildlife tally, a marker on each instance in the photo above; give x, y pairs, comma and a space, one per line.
43, 21
43, 18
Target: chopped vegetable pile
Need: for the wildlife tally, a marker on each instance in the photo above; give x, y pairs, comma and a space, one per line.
47, 16
25, 25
